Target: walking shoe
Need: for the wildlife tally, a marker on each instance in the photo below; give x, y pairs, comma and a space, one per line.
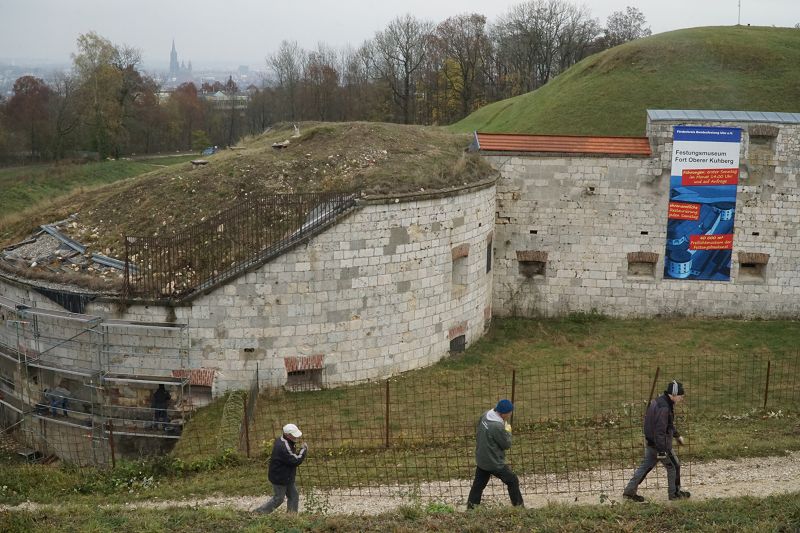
680, 495
634, 497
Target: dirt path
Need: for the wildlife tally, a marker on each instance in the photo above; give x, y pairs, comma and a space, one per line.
744, 477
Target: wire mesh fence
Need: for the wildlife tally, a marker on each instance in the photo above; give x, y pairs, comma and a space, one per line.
577, 427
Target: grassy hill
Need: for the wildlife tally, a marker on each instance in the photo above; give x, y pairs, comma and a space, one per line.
720, 68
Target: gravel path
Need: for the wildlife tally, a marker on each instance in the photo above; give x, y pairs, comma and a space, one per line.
718, 479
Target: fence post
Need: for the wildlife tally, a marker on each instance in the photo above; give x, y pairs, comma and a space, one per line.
111, 444
127, 286
386, 422
246, 426
653, 387
513, 391
766, 387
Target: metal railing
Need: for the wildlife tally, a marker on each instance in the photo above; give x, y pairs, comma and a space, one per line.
227, 244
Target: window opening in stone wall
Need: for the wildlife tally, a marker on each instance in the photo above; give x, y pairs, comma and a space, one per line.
458, 344
642, 265
760, 163
532, 263
488, 255
459, 281
752, 267
299, 380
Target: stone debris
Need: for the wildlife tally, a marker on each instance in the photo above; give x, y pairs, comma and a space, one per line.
51, 252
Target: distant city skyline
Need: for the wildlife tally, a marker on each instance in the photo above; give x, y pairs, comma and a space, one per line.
217, 35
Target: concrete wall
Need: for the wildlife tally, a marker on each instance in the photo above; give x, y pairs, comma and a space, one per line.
586, 214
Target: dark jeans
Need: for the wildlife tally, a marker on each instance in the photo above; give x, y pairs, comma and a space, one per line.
482, 479
279, 492
55, 403
651, 459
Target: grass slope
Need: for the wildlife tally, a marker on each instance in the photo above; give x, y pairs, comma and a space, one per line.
26, 186
719, 68
776, 513
372, 158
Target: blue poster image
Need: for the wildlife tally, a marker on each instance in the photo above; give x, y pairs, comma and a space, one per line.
702, 203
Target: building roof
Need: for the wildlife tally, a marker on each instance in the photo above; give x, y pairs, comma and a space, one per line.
656, 115
569, 144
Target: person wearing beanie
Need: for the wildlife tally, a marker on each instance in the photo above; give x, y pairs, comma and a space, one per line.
659, 431
493, 438
283, 465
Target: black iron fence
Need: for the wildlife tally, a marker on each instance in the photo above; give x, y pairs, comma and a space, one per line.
227, 244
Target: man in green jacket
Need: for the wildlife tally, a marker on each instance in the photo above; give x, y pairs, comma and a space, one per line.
493, 439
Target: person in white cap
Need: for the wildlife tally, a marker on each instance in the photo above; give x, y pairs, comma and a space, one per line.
283, 465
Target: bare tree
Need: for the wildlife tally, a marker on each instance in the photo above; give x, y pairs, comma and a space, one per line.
63, 112
321, 77
624, 26
535, 40
287, 65
464, 45
396, 54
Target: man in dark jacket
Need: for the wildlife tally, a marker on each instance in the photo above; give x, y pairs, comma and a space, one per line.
493, 438
160, 402
659, 430
283, 465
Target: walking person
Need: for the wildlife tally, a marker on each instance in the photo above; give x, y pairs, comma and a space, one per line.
493, 438
659, 430
283, 465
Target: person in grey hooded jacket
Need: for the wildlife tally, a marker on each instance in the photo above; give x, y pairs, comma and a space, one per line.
493, 438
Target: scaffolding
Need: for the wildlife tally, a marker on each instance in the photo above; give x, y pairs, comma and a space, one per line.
83, 388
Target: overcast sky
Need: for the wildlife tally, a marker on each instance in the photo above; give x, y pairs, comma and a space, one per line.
234, 32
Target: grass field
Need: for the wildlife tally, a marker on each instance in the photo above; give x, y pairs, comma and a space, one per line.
720, 68
777, 513
31, 188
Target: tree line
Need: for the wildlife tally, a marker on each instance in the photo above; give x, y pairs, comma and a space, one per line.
413, 72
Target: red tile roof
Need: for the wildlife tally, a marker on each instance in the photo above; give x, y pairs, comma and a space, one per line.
312, 362
565, 144
197, 376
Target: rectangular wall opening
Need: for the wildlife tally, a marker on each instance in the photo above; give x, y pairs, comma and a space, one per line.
532, 263
459, 279
458, 344
752, 267
642, 265
299, 380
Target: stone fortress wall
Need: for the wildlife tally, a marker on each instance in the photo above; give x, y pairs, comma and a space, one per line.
387, 289
399, 283
587, 234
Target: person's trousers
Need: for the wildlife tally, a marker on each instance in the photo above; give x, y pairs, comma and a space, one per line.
279, 493
55, 403
482, 479
670, 462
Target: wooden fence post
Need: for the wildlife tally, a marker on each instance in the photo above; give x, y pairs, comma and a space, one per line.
653, 387
386, 422
111, 444
513, 392
246, 426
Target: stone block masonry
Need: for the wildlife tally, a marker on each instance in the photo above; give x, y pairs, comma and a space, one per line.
587, 214
369, 297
